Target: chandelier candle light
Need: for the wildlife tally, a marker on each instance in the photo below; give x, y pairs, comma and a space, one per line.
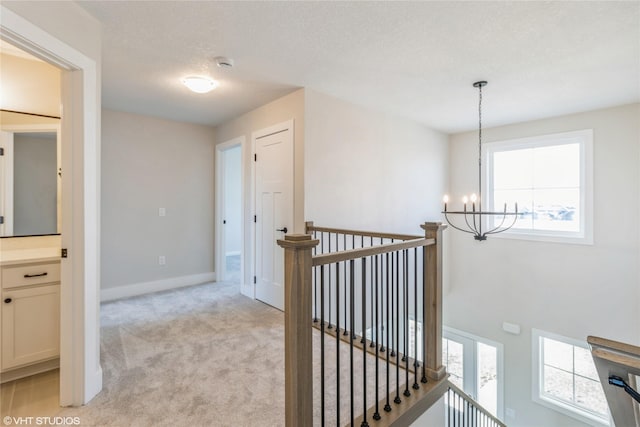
473, 218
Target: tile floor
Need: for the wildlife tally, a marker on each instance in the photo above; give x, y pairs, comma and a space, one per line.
34, 396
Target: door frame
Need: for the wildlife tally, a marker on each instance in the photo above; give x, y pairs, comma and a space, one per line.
219, 211
80, 370
277, 128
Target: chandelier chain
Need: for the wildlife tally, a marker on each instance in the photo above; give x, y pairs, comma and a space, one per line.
480, 147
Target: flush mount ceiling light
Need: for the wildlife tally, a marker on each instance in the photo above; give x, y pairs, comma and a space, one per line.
474, 218
199, 84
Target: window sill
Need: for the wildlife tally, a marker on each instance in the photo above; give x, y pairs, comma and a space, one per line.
571, 411
549, 238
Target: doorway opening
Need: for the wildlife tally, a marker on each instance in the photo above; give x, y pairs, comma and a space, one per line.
80, 369
230, 211
475, 365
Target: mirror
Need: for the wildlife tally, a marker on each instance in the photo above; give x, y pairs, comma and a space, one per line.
30, 175
30, 140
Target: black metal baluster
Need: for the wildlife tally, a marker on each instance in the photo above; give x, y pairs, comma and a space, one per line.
322, 333
338, 342
387, 407
383, 323
346, 332
337, 291
406, 322
397, 322
315, 280
424, 318
364, 346
329, 321
416, 364
405, 354
371, 298
351, 327
392, 321
376, 414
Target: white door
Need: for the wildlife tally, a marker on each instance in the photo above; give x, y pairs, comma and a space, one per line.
274, 210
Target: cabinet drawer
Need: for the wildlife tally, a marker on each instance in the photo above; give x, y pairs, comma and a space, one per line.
30, 274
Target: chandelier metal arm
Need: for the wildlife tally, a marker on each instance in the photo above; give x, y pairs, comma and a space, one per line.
498, 230
466, 219
456, 227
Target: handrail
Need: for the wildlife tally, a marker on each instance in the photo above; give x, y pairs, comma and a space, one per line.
480, 408
309, 227
618, 361
350, 254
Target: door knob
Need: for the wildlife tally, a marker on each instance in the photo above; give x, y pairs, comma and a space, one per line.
284, 230
7, 300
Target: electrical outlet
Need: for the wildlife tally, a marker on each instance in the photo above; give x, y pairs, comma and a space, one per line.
162, 260
162, 212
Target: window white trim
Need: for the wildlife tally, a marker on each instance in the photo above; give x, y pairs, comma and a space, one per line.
566, 408
585, 139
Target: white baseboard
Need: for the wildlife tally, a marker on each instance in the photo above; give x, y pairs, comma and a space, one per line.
110, 294
27, 371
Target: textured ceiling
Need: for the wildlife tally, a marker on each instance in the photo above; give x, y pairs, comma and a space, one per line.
412, 59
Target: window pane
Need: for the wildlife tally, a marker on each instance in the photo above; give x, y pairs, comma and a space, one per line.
556, 209
556, 166
513, 169
589, 395
558, 354
558, 383
584, 364
544, 175
488, 377
453, 357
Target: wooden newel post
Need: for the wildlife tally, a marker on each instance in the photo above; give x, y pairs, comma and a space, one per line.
432, 330
297, 329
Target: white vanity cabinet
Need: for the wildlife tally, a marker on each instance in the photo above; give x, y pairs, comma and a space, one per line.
30, 312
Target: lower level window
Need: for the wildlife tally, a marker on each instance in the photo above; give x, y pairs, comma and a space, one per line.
565, 378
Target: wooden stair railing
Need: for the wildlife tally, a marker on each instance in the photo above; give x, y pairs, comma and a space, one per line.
618, 364
461, 410
301, 312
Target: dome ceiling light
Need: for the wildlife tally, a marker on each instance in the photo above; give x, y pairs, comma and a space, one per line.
200, 84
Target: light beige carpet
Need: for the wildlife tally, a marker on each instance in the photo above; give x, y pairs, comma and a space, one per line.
203, 356
198, 356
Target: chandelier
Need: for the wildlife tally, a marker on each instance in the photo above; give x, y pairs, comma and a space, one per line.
471, 220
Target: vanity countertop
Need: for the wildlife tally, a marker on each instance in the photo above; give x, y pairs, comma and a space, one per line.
19, 256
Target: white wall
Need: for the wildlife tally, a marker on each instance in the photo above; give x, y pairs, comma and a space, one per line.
147, 164
283, 109
368, 170
29, 86
571, 290
432, 417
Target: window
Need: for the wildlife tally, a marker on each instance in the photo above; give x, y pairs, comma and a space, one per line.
565, 378
474, 364
550, 178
